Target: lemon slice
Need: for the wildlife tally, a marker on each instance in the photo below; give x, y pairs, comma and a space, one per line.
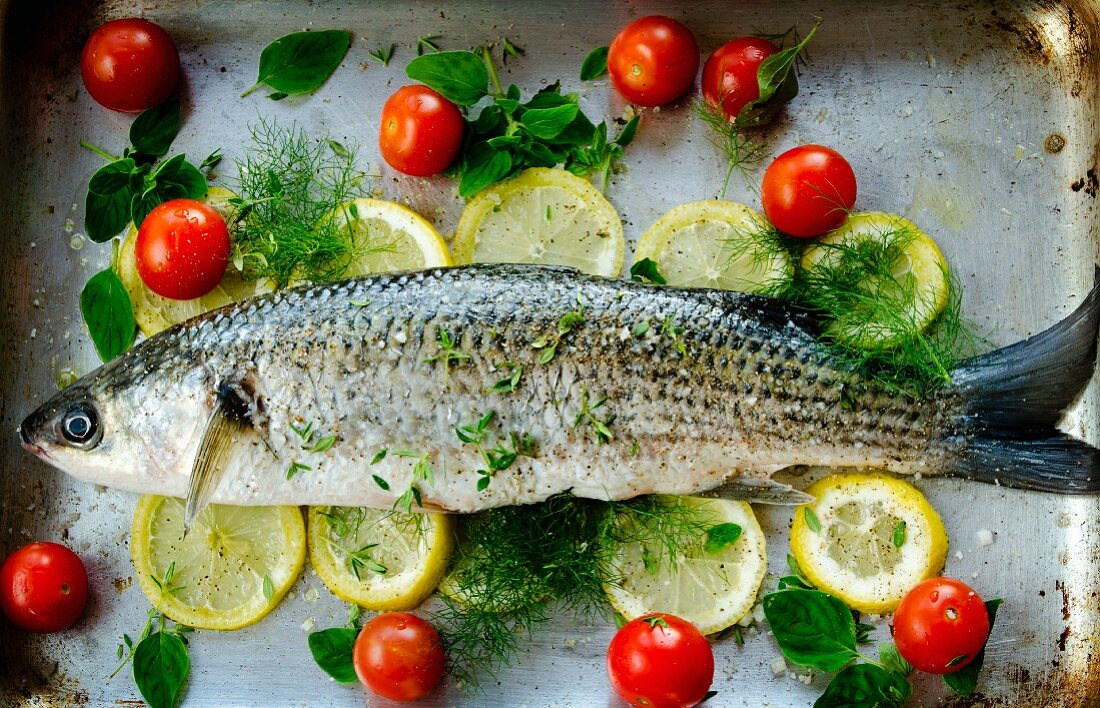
712, 590
232, 568
153, 312
380, 560
868, 539
716, 244
546, 216
395, 238
912, 288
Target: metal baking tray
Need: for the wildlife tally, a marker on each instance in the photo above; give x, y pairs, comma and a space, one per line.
976, 119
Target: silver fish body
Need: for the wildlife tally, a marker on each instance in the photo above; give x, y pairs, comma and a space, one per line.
646, 390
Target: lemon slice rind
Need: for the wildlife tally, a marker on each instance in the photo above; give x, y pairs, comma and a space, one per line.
712, 591
716, 244
413, 549
392, 238
864, 509
219, 569
545, 216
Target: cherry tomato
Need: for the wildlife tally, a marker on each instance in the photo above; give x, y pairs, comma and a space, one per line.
421, 131
43, 587
653, 61
182, 249
730, 74
130, 65
941, 625
808, 191
398, 656
660, 661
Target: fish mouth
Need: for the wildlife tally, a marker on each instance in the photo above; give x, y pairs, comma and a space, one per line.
26, 437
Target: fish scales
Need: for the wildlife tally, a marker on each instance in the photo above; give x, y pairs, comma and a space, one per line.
720, 387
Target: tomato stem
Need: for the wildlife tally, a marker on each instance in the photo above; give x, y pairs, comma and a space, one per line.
98, 151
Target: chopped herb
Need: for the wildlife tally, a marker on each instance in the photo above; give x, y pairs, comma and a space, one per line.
427, 44
381, 482
510, 50
640, 329
422, 472
323, 444
383, 55
509, 383
633, 449
269, 589
721, 536
448, 352
675, 332
497, 458
811, 519
600, 427
359, 303
645, 270
379, 456
295, 468
899, 534
566, 324
211, 160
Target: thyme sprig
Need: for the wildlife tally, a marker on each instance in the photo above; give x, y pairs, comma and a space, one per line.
600, 428
448, 352
548, 344
383, 55
422, 472
497, 458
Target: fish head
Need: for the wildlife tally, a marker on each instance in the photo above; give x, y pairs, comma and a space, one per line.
122, 429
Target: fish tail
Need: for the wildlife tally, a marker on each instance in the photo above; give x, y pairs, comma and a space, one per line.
1013, 399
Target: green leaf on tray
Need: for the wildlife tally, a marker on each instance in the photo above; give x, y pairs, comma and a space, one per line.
301, 61
866, 686
812, 628
965, 680
460, 76
153, 131
595, 64
332, 650
778, 84
161, 664
106, 308
107, 205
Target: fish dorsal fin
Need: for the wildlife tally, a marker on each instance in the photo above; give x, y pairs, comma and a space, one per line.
227, 420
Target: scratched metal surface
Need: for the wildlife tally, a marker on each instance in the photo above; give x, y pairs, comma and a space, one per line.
978, 120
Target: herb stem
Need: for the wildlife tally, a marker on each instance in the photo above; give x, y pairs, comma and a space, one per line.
487, 57
98, 151
726, 181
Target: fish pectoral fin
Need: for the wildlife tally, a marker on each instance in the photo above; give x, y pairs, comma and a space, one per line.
222, 429
762, 490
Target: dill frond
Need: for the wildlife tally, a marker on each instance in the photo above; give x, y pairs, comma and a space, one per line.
761, 245
873, 313
512, 563
289, 187
740, 151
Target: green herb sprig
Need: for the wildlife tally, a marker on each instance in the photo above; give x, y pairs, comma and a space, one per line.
817, 630
497, 458
509, 135
422, 472
599, 427
291, 188
383, 55
548, 344
300, 62
448, 352
128, 187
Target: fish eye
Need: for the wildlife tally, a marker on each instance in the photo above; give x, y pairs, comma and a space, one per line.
80, 426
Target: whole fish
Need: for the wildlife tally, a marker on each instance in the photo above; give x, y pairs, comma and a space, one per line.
474, 387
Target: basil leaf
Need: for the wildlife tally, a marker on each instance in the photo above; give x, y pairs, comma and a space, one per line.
331, 649
178, 176
595, 64
300, 62
153, 131
646, 270
106, 308
484, 165
488, 120
721, 537
892, 659
778, 84
548, 123
107, 205
550, 97
813, 629
537, 155
579, 132
142, 204
160, 668
626, 135
460, 76
965, 680
865, 686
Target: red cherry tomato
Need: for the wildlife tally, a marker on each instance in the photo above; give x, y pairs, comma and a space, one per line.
653, 61
43, 587
421, 131
182, 249
130, 65
660, 661
808, 191
941, 625
398, 656
730, 74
